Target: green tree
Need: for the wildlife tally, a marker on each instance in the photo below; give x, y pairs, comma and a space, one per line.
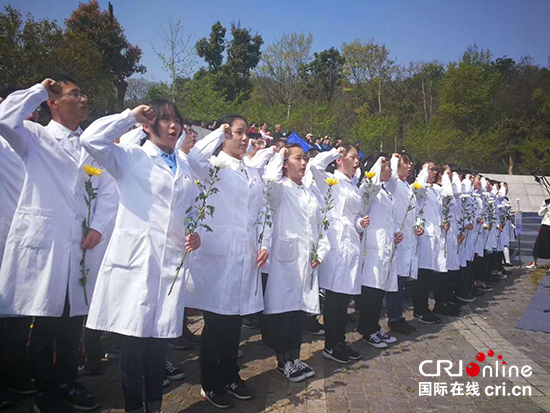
324, 73
119, 58
211, 49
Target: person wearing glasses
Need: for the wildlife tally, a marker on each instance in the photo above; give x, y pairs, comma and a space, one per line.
41, 273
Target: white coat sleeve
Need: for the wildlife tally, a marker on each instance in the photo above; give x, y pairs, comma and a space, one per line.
13, 112
392, 183
106, 204
261, 158
318, 166
266, 242
273, 175
543, 208
98, 140
199, 156
324, 247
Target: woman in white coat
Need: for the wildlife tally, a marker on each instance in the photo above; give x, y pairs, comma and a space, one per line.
338, 274
224, 272
406, 208
292, 288
380, 272
131, 296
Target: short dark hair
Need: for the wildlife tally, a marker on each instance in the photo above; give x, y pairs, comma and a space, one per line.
229, 119
312, 153
161, 107
370, 160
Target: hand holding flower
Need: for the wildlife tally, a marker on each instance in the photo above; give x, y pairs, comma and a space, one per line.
192, 242
315, 263
470, 227
262, 258
365, 221
446, 226
419, 231
90, 241
398, 237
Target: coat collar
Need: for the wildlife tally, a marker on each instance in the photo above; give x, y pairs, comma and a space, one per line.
63, 135
341, 177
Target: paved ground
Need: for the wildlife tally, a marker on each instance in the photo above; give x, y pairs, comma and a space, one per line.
382, 380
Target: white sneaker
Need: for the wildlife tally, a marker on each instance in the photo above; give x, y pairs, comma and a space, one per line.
385, 338
531, 266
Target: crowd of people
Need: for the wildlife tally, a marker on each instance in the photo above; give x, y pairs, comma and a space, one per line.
121, 229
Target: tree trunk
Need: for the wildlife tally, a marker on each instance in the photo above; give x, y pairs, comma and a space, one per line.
379, 95
424, 101
121, 86
511, 161
288, 111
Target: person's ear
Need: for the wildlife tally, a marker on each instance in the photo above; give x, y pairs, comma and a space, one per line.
147, 129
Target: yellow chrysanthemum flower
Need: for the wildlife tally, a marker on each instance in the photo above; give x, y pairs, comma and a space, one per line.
331, 181
370, 175
416, 185
92, 170
197, 182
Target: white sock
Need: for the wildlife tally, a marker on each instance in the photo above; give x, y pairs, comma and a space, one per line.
507, 255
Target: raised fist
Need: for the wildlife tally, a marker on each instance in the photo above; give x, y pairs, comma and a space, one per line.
53, 88
144, 115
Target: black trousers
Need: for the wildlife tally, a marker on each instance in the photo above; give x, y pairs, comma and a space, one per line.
142, 371
283, 332
445, 285
218, 353
15, 366
335, 315
94, 349
59, 335
371, 306
428, 280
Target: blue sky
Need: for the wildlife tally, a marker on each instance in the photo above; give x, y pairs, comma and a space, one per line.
413, 30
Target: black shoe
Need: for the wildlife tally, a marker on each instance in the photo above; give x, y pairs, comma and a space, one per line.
290, 372
24, 387
221, 400
401, 326
47, 403
113, 353
455, 301
504, 271
304, 368
476, 292
499, 276
447, 309
339, 353
427, 318
484, 288
240, 390
93, 369
6, 400
465, 298
78, 397
251, 322
314, 327
352, 354
506, 264
172, 373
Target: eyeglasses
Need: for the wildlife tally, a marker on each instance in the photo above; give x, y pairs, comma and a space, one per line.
76, 94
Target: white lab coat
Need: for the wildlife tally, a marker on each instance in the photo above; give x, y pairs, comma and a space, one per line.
407, 260
450, 261
42, 255
12, 175
340, 270
479, 235
131, 295
428, 244
380, 269
223, 272
292, 284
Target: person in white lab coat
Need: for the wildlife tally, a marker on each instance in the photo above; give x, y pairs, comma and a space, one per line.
380, 272
45, 241
224, 273
428, 246
406, 208
14, 371
338, 274
292, 285
132, 293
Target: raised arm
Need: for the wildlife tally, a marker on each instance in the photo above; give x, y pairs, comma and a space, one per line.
17, 107
204, 149
318, 166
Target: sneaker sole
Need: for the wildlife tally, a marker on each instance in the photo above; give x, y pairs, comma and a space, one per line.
355, 358
424, 321
176, 377
209, 400
309, 374
109, 356
389, 341
466, 300
379, 345
83, 408
298, 379
22, 392
316, 333
238, 396
331, 357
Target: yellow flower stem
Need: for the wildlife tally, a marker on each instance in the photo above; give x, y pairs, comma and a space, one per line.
178, 271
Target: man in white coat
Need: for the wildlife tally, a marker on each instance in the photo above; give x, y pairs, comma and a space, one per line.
40, 274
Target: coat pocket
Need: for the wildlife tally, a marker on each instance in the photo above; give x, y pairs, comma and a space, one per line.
34, 227
216, 242
286, 250
128, 248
